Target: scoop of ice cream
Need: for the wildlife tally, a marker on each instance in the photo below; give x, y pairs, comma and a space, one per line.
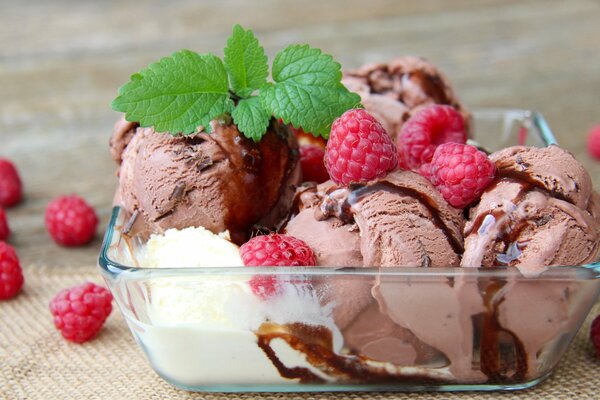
400, 220
535, 214
220, 181
215, 251
393, 91
551, 168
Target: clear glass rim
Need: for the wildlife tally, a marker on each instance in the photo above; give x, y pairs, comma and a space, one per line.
587, 271
113, 268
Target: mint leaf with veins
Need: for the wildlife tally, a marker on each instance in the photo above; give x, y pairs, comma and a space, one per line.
187, 90
245, 61
251, 118
307, 92
177, 94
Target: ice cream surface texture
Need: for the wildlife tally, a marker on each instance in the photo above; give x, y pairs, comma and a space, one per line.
538, 213
400, 220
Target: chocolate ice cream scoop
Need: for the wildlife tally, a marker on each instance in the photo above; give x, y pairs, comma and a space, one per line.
402, 220
537, 213
399, 220
393, 91
220, 181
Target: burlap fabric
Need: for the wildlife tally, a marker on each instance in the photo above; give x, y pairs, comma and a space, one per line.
36, 363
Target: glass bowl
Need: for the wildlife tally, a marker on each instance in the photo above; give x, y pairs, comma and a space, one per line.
353, 329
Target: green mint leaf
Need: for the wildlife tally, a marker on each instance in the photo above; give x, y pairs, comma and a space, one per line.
251, 118
245, 61
177, 94
307, 91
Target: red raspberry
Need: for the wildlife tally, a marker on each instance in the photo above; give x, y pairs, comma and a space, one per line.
71, 221
274, 250
11, 275
311, 161
4, 231
430, 127
358, 149
461, 172
425, 171
80, 312
11, 189
595, 334
593, 142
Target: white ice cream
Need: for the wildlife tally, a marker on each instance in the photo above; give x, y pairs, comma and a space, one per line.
199, 331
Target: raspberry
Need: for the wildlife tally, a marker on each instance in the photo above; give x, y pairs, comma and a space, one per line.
359, 149
311, 161
11, 189
425, 171
274, 250
461, 172
11, 276
430, 127
595, 334
80, 312
593, 142
71, 221
4, 231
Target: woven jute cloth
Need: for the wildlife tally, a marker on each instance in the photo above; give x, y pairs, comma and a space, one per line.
36, 363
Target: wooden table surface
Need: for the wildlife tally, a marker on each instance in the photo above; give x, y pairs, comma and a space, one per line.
62, 61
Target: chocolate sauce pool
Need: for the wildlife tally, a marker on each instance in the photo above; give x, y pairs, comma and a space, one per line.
502, 356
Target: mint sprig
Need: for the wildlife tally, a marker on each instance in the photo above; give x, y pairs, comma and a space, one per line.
187, 90
246, 62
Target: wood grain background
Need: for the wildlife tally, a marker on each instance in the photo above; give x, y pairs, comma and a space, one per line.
62, 61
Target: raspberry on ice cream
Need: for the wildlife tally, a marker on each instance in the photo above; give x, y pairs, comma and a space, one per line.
358, 149
274, 250
11, 275
71, 221
461, 172
11, 188
425, 130
392, 92
79, 312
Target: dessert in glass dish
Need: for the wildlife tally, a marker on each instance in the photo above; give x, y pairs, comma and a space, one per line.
449, 250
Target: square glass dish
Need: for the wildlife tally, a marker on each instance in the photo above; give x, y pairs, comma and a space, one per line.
354, 329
